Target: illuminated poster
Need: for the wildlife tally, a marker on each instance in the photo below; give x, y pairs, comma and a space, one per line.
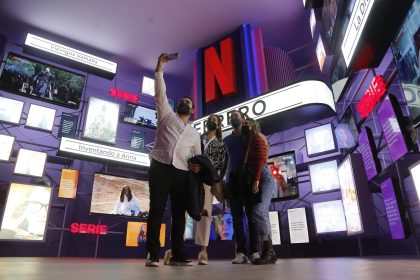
68, 183
329, 216
137, 232
349, 197
26, 212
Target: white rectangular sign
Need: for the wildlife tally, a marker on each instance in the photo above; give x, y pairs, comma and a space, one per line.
298, 226
359, 16
275, 227
102, 152
287, 98
70, 53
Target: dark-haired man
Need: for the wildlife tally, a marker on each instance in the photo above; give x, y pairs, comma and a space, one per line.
176, 142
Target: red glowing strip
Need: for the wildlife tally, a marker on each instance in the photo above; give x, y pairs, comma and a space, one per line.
88, 228
124, 95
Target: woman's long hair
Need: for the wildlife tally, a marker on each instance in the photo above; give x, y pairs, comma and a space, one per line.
219, 126
253, 126
129, 195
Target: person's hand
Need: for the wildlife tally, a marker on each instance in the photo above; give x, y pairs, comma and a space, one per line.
163, 58
255, 187
195, 167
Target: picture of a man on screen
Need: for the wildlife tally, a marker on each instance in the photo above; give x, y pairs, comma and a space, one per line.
42, 84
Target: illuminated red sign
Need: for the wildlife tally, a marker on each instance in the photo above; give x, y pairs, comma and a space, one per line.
88, 228
374, 93
222, 70
124, 95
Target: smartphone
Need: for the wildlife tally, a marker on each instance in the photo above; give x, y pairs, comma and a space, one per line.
172, 56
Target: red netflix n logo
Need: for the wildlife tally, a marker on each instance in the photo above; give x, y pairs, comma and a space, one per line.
221, 69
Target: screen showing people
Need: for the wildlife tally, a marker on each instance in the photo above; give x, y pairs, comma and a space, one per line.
119, 196
34, 79
320, 140
10, 110
25, 214
324, 177
222, 227
40, 117
30, 163
329, 216
346, 132
137, 233
102, 120
283, 169
139, 115
6, 144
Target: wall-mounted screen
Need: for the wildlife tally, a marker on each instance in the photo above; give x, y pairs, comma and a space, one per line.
222, 227
298, 226
283, 169
26, 213
415, 174
148, 86
324, 177
349, 197
35, 79
346, 131
320, 53
406, 49
320, 140
6, 144
41, 118
30, 163
312, 22
120, 196
102, 120
10, 110
329, 217
368, 151
330, 12
139, 115
137, 233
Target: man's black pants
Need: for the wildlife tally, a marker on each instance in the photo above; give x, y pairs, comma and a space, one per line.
165, 179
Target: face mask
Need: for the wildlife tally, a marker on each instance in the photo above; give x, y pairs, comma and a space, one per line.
235, 122
211, 125
183, 109
245, 130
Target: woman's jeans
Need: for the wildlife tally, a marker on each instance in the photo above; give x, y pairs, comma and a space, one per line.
259, 211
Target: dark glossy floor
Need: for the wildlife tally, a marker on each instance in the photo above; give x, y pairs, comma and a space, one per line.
326, 269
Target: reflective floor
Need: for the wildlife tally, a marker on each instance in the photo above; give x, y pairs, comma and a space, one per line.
296, 269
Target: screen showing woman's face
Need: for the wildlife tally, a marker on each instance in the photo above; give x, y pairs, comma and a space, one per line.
225, 227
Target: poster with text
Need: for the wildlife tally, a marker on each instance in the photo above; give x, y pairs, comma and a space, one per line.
68, 183
298, 226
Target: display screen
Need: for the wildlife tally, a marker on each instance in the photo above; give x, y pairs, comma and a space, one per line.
40, 118
102, 120
349, 197
10, 110
137, 233
312, 22
222, 227
298, 226
346, 132
26, 212
329, 216
189, 228
406, 50
330, 12
34, 79
415, 174
320, 53
30, 163
283, 169
136, 114
6, 144
324, 177
320, 140
392, 132
148, 86
120, 196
